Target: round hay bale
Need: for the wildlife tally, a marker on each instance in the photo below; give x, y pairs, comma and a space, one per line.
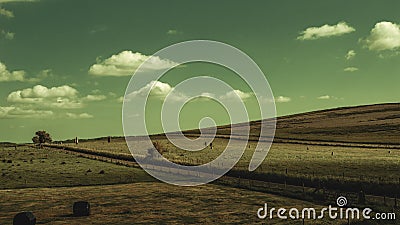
81, 208
102, 172
24, 218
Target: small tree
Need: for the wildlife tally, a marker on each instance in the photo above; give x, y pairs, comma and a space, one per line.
41, 137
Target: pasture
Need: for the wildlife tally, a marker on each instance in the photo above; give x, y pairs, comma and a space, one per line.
54, 180
298, 160
30, 167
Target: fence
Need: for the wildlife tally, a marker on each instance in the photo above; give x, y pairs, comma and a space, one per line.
282, 184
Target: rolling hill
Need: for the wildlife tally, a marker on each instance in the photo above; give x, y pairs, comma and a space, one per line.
370, 124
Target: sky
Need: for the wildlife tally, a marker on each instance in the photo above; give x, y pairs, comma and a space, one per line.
65, 64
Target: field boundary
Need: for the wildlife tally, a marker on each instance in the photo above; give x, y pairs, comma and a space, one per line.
308, 142
241, 180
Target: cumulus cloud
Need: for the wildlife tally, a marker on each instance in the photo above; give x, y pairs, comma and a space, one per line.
6, 75
7, 35
126, 63
384, 36
156, 89
326, 30
93, 98
160, 90
79, 116
20, 75
350, 69
17, 112
324, 97
329, 97
350, 54
6, 13
234, 94
282, 99
55, 97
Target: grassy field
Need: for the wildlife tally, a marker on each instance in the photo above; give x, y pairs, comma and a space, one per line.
348, 163
47, 181
30, 167
50, 183
148, 203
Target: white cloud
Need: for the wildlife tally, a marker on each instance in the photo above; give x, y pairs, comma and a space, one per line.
120, 99
6, 13
234, 94
329, 97
126, 63
326, 30
324, 97
384, 36
20, 75
157, 90
16, 112
350, 69
92, 98
40, 91
282, 99
55, 97
174, 32
208, 95
350, 54
6, 75
78, 116
160, 90
8, 35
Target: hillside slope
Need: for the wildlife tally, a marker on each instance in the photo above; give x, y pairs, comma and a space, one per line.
376, 124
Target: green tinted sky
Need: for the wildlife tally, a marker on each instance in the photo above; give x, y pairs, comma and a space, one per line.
54, 43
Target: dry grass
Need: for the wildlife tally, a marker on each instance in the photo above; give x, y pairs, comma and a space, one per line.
48, 168
147, 203
355, 163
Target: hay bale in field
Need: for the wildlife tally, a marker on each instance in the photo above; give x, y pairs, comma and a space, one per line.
102, 172
24, 218
81, 208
